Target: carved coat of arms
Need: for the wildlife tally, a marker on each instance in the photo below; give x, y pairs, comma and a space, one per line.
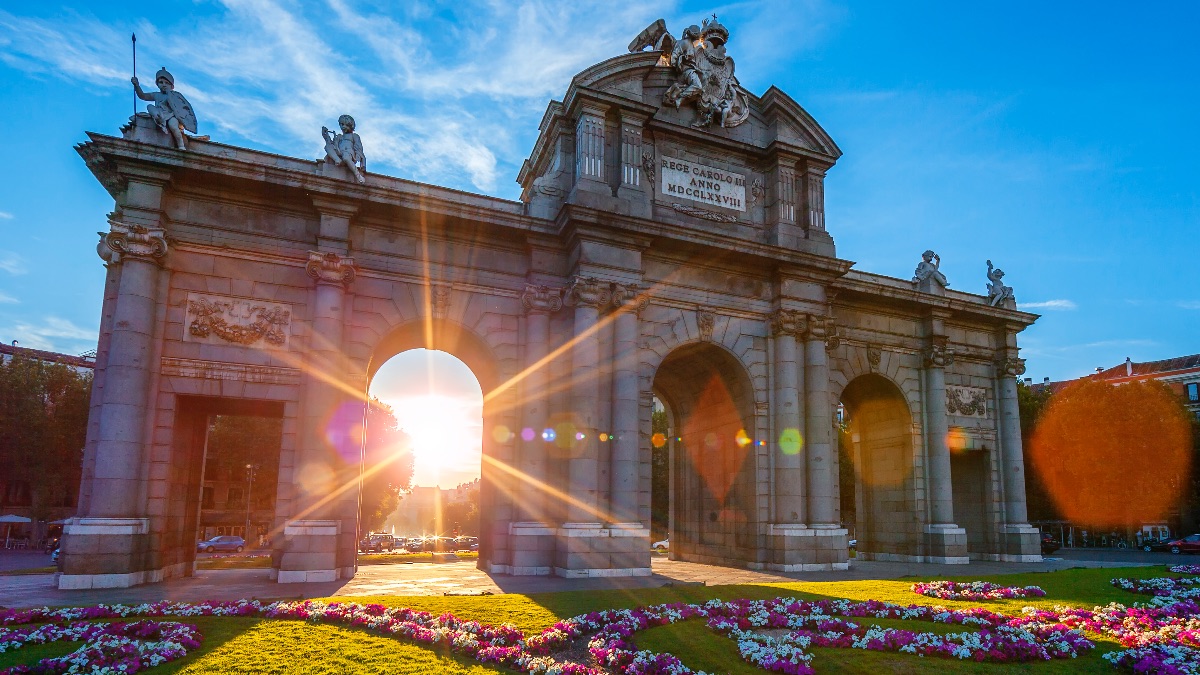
704, 71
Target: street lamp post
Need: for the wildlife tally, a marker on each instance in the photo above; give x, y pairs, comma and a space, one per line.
249, 486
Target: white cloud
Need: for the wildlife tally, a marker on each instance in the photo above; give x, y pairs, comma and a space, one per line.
53, 334
1050, 304
4, 215
1189, 304
6, 299
12, 263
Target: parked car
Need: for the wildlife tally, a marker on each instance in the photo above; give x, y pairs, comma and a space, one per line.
377, 542
54, 557
852, 543
1049, 544
414, 544
222, 543
1188, 544
662, 546
1156, 544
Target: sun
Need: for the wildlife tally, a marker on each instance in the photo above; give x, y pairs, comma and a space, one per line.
445, 434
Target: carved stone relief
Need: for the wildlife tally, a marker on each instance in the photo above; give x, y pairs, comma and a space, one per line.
696, 212
439, 297
216, 319
966, 401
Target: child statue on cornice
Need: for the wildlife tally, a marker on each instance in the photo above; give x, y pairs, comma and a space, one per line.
346, 148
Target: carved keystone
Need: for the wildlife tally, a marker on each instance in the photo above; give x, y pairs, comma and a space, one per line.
938, 354
705, 320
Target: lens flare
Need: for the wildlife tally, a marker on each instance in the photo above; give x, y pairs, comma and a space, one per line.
548, 435
658, 440
502, 434
527, 434
790, 441
603, 438
1113, 455
742, 439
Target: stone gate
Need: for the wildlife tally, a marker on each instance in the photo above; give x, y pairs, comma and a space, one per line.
670, 242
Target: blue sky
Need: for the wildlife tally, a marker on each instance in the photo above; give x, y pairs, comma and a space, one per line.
1059, 140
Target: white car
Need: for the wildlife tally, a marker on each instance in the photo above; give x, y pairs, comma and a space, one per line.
664, 545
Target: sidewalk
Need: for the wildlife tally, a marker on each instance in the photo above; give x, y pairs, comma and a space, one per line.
464, 578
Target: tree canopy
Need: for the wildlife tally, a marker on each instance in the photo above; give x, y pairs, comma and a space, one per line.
43, 427
388, 466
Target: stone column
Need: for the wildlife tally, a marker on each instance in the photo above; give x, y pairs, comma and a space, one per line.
106, 546
533, 537
791, 544
1022, 541
579, 549
138, 251
819, 426
939, 486
945, 542
629, 545
625, 406
320, 475
788, 443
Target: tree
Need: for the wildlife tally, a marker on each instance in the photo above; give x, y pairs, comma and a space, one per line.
387, 466
1114, 456
43, 428
235, 441
1031, 403
660, 475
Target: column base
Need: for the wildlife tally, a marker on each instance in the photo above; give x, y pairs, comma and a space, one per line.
110, 553
310, 553
596, 550
533, 547
807, 548
946, 544
1021, 543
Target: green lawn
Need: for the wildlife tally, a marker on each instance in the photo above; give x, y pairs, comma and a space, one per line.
272, 646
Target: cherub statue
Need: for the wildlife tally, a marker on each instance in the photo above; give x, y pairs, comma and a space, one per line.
927, 270
169, 109
997, 291
683, 59
346, 149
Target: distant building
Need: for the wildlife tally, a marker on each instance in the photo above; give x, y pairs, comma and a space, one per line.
1181, 374
420, 510
86, 361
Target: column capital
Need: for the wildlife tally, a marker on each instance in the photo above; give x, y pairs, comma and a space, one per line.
331, 269
541, 299
1010, 367
587, 292
628, 296
938, 354
789, 322
132, 241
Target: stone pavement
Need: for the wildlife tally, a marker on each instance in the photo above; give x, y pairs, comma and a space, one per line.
463, 577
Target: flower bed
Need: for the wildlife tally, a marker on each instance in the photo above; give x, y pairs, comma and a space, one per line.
974, 590
107, 647
1160, 636
1184, 569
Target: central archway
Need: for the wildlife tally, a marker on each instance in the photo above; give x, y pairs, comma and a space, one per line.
496, 487
709, 401
878, 428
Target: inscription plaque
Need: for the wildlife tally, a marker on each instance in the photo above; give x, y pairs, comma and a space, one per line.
704, 184
216, 319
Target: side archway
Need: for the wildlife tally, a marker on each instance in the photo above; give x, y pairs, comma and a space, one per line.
877, 432
710, 399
